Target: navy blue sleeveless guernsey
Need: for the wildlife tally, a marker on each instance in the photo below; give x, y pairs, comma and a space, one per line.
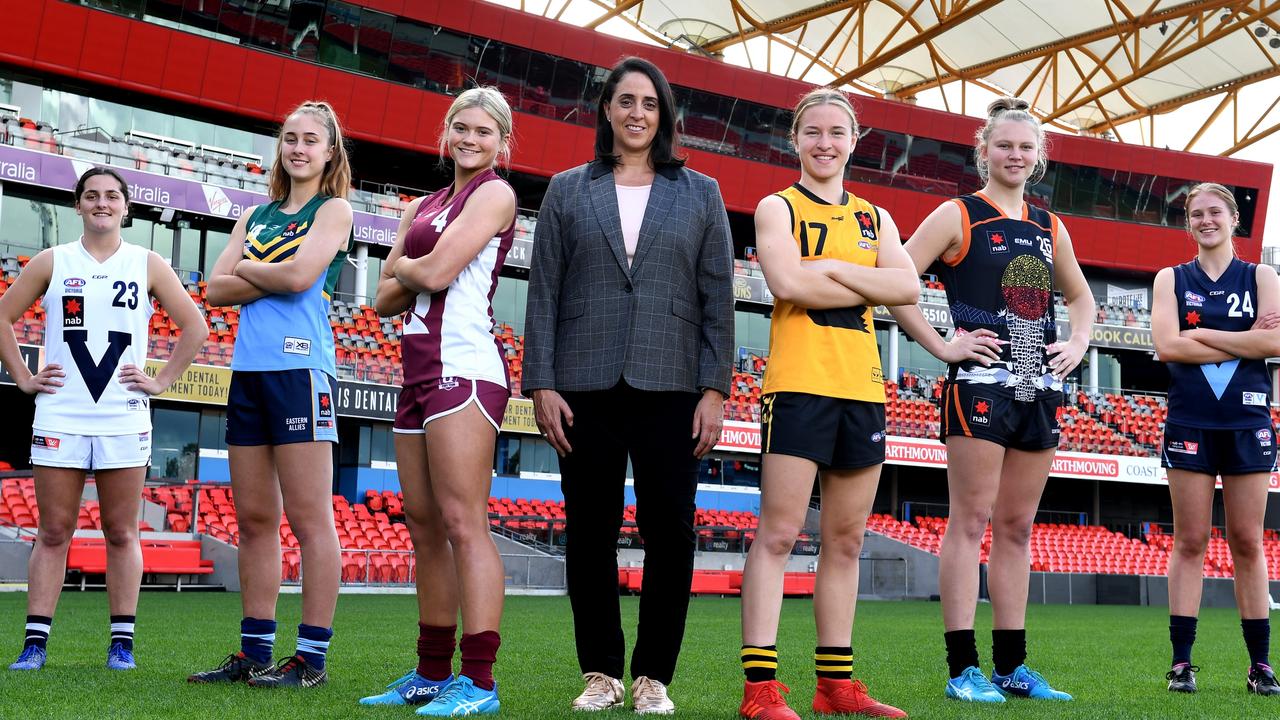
1230, 395
1002, 281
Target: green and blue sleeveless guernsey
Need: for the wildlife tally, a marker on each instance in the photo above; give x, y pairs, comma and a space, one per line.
1002, 281
286, 331
1229, 395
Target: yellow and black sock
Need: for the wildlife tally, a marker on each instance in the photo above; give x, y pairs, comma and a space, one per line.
760, 662
835, 663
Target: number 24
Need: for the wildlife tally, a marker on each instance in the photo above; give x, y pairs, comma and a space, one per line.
1234, 300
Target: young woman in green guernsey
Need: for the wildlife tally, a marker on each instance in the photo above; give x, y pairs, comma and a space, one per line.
280, 267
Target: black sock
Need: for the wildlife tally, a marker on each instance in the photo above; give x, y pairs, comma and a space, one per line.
37, 631
760, 662
962, 651
1008, 650
1182, 634
122, 631
1257, 638
833, 662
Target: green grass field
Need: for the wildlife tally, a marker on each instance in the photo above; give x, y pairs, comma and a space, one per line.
1112, 658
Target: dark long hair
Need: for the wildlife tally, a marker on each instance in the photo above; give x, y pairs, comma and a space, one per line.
101, 170
662, 153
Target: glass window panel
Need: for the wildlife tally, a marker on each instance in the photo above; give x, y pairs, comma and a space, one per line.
410, 46
591, 96
782, 152
255, 23
214, 242
535, 96
1246, 201
175, 443
1175, 213
213, 424
488, 54
449, 64
704, 126
757, 130
202, 14
1104, 199
306, 18
338, 35
373, 44
24, 228
566, 89
922, 157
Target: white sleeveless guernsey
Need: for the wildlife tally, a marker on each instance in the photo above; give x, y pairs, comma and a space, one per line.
97, 318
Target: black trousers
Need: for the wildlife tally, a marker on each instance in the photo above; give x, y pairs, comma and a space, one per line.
654, 429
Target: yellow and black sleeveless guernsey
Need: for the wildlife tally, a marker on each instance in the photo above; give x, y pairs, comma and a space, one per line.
827, 352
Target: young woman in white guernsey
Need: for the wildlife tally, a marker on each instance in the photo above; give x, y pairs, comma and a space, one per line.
441, 274
92, 409
280, 266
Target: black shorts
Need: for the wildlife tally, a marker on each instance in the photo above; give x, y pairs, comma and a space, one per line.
837, 434
988, 413
1218, 452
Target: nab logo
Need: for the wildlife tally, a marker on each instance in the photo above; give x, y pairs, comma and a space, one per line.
980, 411
998, 242
1193, 318
290, 230
326, 405
72, 312
866, 224
136, 404
1186, 447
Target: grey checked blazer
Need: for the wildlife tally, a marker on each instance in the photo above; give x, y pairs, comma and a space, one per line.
665, 323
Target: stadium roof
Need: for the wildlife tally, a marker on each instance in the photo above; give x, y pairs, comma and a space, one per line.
1106, 67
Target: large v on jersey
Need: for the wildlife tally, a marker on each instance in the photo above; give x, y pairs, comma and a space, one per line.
97, 317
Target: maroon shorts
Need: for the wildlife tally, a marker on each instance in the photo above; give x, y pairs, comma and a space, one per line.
423, 402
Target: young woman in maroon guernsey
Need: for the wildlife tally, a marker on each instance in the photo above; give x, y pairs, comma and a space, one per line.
441, 273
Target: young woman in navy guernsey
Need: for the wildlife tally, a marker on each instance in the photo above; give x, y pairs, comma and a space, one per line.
1001, 259
1214, 321
280, 267
441, 274
92, 411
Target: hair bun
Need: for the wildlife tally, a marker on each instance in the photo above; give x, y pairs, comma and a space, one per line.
1004, 104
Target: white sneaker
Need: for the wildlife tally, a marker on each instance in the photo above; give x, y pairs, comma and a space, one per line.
649, 697
602, 693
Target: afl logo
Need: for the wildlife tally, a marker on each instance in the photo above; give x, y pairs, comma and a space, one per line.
73, 282
1264, 436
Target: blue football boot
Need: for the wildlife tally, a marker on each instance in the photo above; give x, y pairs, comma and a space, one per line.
462, 698
120, 659
973, 686
409, 689
1027, 683
32, 658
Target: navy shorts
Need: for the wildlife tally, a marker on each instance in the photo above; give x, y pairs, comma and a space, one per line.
837, 434
1218, 452
280, 407
986, 413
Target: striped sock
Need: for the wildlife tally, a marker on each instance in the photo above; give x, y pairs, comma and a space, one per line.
122, 631
37, 631
760, 662
313, 644
835, 663
257, 638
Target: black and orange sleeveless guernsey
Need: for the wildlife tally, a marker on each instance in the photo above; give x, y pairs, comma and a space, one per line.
1002, 281
832, 353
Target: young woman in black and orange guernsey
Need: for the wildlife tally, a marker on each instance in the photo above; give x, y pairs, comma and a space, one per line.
1001, 260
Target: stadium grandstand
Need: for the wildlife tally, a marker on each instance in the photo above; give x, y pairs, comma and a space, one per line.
180, 98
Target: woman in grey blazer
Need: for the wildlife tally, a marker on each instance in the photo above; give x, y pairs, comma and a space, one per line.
628, 344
